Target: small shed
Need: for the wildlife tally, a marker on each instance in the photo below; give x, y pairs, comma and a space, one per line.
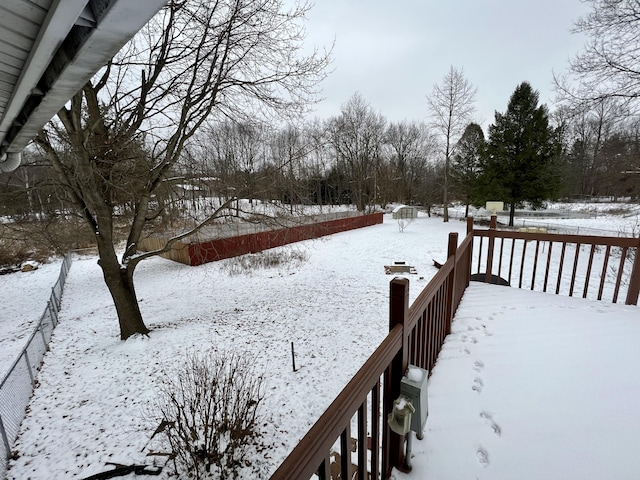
405, 212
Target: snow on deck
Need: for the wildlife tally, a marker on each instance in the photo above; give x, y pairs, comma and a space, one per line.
533, 385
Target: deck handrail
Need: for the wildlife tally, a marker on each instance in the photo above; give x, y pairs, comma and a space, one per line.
312, 451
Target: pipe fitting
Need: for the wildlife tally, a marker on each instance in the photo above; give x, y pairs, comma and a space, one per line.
9, 161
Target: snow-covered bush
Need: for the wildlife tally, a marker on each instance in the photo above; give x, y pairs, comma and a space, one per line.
209, 412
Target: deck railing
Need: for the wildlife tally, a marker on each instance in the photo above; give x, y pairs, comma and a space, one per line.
594, 267
352, 440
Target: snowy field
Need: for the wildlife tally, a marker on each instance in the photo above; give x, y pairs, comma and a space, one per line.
93, 389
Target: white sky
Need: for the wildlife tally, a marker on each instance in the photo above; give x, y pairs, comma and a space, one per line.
394, 53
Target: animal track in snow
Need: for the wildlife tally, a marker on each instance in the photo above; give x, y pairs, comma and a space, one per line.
483, 456
488, 418
478, 365
477, 385
467, 338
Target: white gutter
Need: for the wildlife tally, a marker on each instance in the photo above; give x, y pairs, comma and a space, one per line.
60, 19
65, 72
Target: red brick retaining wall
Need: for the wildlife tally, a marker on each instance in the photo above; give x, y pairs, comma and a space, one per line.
213, 250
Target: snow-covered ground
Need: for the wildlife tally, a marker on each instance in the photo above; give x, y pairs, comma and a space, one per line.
617, 219
24, 296
89, 407
533, 386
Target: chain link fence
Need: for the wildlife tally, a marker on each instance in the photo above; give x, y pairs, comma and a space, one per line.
548, 223
17, 386
237, 227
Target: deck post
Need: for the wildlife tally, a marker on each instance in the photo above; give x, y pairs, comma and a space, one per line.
469, 225
392, 443
452, 249
492, 239
634, 280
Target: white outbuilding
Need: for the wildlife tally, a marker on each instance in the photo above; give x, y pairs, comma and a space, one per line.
405, 212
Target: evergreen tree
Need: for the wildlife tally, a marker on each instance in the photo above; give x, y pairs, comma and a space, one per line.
522, 153
465, 168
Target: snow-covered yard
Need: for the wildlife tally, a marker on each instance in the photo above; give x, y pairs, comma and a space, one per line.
24, 297
89, 407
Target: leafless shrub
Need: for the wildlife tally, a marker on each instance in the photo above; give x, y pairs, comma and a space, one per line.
210, 415
39, 239
404, 223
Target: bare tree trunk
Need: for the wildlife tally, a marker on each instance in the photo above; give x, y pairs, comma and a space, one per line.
120, 283
445, 195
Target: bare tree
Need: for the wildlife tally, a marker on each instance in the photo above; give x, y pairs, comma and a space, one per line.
318, 162
411, 144
357, 135
609, 65
451, 104
587, 130
289, 148
123, 133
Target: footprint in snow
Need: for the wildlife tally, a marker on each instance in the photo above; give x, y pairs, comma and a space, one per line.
478, 365
466, 338
488, 418
477, 385
483, 456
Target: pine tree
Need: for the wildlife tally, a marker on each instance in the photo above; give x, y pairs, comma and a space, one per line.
465, 168
522, 153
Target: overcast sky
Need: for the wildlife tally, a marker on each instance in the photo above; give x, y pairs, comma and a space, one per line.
394, 52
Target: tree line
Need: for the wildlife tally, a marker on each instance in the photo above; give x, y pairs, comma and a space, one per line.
358, 157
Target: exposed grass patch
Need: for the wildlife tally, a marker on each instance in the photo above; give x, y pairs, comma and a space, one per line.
287, 257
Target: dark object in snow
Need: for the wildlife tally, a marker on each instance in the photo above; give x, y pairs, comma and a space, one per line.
437, 264
121, 470
494, 279
293, 357
389, 269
